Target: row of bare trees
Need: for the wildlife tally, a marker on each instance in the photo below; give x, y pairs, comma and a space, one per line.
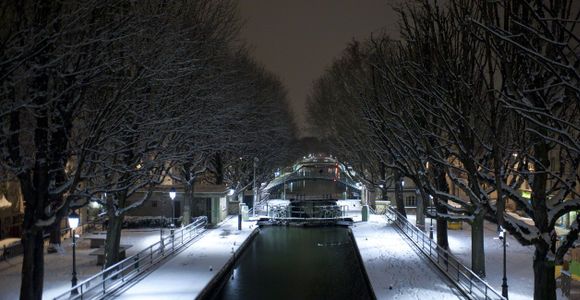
484, 95
102, 98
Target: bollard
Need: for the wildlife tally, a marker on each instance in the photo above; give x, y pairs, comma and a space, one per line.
245, 213
240, 207
365, 213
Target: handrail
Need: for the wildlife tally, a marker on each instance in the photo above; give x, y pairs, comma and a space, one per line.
102, 284
470, 283
298, 176
281, 212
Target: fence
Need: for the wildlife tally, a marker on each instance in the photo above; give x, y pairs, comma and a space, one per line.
472, 285
11, 250
109, 280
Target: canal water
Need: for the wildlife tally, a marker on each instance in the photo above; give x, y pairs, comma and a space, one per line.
298, 263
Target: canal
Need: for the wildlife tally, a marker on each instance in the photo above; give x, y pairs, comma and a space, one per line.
298, 263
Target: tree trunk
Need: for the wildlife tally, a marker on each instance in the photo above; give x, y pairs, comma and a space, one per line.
400, 203
420, 214
219, 169
187, 201
544, 281
477, 245
442, 239
479, 210
55, 238
441, 181
115, 224
113, 241
34, 193
32, 264
500, 201
34, 187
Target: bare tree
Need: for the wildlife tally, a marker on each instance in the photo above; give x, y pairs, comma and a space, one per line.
537, 42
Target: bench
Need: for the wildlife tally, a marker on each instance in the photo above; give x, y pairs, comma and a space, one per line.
96, 241
455, 225
100, 254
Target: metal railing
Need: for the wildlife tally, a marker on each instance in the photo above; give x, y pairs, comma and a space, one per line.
472, 285
565, 282
305, 212
287, 178
109, 280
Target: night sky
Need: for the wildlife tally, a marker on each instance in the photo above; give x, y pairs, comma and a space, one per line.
298, 39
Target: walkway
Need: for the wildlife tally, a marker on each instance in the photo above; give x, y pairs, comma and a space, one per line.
58, 266
185, 275
519, 258
395, 269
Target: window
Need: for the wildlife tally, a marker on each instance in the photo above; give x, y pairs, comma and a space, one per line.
410, 201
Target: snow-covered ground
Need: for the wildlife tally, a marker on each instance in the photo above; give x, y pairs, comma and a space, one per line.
9, 242
58, 266
520, 274
6, 243
395, 269
185, 275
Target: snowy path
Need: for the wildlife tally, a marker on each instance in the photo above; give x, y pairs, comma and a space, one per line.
520, 273
185, 275
395, 269
58, 266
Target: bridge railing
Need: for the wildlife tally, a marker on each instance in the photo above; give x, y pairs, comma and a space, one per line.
304, 212
102, 284
298, 176
472, 285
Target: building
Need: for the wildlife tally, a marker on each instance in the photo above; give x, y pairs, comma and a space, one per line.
11, 209
209, 201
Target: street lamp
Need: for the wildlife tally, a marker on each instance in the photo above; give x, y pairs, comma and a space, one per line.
73, 223
502, 236
172, 194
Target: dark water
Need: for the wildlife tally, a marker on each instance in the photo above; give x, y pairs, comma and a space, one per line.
298, 263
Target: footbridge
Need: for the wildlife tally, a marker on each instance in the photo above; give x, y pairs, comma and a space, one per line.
317, 168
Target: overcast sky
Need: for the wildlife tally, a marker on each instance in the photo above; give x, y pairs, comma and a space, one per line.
298, 39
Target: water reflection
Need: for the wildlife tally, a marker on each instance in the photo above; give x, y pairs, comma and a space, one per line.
298, 263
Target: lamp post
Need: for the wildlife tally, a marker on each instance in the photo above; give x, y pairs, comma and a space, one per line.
254, 188
431, 218
502, 236
172, 194
284, 187
73, 223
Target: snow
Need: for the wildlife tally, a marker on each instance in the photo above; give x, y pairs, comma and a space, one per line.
4, 202
9, 242
276, 202
353, 204
58, 266
389, 260
520, 274
395, 269
185, 275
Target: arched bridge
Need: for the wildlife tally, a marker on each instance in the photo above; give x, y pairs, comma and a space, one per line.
316, 168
